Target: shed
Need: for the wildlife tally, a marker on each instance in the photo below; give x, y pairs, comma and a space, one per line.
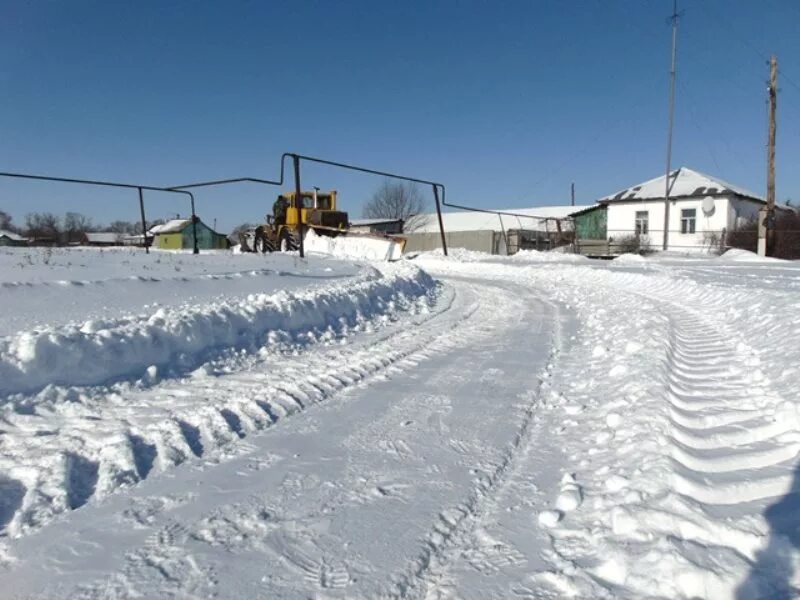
178, 234
539, 227
9, 238
102, 238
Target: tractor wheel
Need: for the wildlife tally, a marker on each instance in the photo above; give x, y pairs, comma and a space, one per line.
288, 241
261, 242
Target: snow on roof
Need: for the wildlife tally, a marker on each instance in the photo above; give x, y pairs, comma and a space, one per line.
171, 226
534, 219
12, 236
103, 237
366, 222
685, 183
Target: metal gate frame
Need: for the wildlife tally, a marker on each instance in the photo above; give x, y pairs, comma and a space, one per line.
133, 186
296, 160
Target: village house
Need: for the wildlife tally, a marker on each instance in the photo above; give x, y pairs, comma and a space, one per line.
178, 234
9, 238
703, 210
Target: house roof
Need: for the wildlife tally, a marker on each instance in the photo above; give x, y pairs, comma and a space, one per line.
103, 237
533, 219
12, 236
367, 222
171, 226
684, 183
588, 209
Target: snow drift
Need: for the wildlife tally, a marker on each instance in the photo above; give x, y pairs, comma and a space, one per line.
100, 351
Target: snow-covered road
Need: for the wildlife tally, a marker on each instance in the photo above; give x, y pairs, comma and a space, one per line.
534, 427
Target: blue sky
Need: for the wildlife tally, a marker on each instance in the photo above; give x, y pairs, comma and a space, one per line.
506, 103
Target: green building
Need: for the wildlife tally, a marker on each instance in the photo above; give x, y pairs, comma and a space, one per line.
178, 234
591, 223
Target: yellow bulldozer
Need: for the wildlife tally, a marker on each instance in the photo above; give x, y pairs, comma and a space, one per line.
315, 210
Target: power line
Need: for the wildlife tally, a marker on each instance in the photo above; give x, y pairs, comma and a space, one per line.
695, 119
747, 42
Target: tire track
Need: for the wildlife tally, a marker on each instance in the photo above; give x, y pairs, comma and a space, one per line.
452, 533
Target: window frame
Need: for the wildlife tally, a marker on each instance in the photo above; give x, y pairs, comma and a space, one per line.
642, 224
688, 222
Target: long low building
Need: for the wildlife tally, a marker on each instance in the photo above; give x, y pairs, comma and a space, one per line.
539, 227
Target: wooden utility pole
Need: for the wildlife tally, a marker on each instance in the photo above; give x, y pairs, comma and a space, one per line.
672, 71
573, 193
766, 229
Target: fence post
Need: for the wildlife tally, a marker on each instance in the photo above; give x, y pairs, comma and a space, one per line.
298, 203
144, 222
439, 215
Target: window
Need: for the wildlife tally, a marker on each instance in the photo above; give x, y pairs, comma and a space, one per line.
688, 218
642, 226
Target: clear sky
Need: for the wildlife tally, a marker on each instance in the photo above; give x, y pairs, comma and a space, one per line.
506, 103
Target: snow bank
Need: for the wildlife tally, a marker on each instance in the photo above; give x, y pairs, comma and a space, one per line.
521, 257
739, 255
629, 258
535, 256
100, 351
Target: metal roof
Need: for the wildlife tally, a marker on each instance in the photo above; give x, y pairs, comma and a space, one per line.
532, 219
684, 183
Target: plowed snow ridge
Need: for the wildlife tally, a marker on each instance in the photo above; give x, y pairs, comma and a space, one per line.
107, 437
100, 351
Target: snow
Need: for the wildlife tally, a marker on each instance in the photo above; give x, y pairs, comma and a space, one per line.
739, 255
475, 426
171, 226
533, 219
12, 236
355, 245
684, 182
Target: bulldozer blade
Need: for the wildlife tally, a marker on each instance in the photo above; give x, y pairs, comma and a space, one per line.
369, 246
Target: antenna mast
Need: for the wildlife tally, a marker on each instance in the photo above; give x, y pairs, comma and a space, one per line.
667, 186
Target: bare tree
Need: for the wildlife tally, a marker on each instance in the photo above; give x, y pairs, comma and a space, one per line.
125, 227
75, 226
5, 222
43, 225
396, 200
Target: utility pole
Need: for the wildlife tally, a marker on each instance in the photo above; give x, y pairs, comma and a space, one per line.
766, 225
674, 18
572, 193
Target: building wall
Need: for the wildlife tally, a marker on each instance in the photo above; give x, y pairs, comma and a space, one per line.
207, 239
592, 225
391, 227
622, 222
480, 241
169, 241
741, 211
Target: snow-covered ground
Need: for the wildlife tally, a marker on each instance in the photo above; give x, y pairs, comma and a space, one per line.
540, 426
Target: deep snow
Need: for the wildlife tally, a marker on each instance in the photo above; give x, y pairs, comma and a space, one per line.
540, 426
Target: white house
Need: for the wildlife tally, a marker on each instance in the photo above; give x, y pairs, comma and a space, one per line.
702, 210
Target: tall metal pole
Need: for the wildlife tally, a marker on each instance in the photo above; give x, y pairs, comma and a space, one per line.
572, 193
144, 222
195, 248
439, 214
298, 203
671, 119
773, 107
